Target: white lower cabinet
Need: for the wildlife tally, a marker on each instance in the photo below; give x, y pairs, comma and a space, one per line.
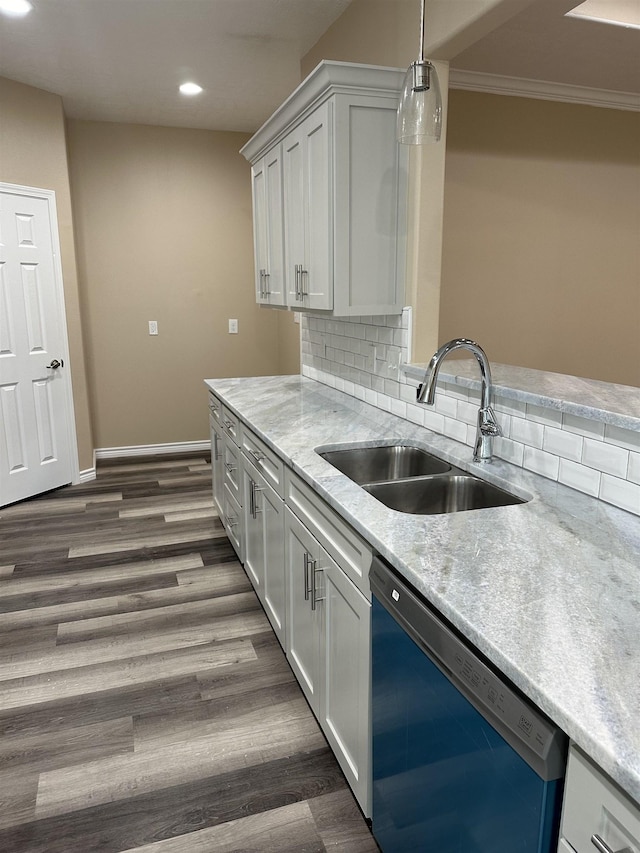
264, 545
310, 571
596, 814
328, 647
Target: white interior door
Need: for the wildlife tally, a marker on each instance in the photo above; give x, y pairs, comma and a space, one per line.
37, 431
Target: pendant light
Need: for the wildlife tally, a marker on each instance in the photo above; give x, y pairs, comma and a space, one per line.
420, 107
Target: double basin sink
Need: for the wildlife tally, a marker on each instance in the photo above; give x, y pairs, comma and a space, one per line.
409, 479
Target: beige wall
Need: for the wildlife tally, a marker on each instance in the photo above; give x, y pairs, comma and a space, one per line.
541, 259
164, 232
33, 153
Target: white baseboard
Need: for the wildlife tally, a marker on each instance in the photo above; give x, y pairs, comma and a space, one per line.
87, 475
151, 449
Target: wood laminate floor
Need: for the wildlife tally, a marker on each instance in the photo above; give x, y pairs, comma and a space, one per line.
145, 703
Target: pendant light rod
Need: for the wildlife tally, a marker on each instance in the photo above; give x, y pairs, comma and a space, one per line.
422, 15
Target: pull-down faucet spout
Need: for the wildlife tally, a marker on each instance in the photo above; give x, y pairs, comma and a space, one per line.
487, 426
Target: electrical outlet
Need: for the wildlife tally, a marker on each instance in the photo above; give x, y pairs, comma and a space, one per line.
233, 327
153, 327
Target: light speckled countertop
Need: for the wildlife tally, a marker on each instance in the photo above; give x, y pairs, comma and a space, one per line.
548, 590
618, 405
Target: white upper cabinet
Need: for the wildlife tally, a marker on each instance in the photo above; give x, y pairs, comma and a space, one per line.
341, 212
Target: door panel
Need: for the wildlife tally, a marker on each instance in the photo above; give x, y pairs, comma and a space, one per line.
303, 624
37, 442
318, 283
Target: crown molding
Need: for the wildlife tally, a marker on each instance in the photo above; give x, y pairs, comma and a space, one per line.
496, 84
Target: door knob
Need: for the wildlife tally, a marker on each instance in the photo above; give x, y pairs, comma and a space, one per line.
55, 364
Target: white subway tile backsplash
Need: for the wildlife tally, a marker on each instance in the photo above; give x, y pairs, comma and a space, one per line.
526, 432
510, 451
579, 477
433, 420
541, 415
399, 408
467, 412
509, 407
455, 429
568, 445
541, 462
582, 426
622, 437
445, 405
621, 493
605, 457
415, 414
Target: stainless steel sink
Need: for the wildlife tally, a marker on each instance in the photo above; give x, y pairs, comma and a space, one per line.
377, 464
443, 494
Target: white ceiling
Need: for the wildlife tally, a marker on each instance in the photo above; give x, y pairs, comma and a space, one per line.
122, 60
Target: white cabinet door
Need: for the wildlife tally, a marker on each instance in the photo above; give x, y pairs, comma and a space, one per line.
308, 212
254, 556
217, 463
268, 229
264, 546
303, 623
346, 706
294, 213
317, 278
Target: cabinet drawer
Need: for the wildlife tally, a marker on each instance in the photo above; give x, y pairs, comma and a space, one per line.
215, 407
231, 425
352, 553
233, 522
593, 805
266, 461
563, 847
232, 473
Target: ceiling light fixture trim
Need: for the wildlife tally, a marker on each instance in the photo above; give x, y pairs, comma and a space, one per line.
15, 8
190, 89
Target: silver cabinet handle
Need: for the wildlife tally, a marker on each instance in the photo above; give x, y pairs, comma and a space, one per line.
256, 456
261, 286
314, 595
303, 274
297, 280
216, 455
254, 488
307, 562
230, 467
231, 520
266, 292
602, 847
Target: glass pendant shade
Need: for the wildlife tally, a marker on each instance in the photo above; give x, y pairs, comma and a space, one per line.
420, 107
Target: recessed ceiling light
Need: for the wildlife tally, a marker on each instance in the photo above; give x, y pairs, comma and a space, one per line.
190, 89
620, 13
15, 8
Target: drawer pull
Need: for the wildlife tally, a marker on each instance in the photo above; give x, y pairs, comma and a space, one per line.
256, 456
602, 847
230, 467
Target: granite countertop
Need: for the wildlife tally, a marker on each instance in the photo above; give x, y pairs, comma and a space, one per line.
548, 590
607, 402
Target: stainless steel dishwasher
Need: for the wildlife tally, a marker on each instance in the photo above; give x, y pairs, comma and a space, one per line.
462, 762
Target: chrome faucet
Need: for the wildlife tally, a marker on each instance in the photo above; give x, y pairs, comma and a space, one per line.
487, 425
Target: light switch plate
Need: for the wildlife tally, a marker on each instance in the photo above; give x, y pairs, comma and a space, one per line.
233, 327
153, 327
